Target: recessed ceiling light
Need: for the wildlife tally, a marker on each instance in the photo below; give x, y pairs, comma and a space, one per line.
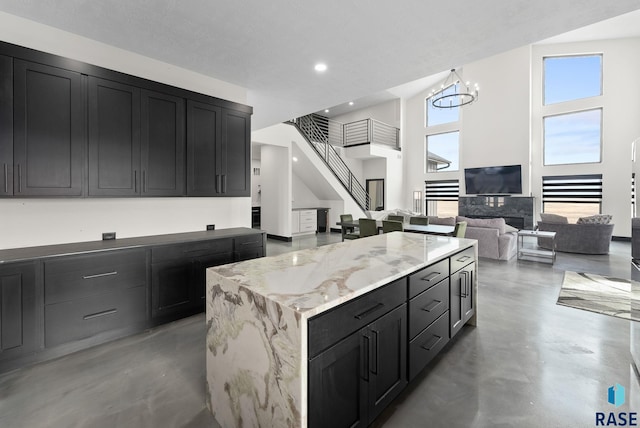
326, 110
295, 159
320, 67
350, 103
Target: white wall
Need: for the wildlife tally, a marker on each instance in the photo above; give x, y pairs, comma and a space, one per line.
301, 195
620, 124
275, 214
388, 112
504, 126
29, 222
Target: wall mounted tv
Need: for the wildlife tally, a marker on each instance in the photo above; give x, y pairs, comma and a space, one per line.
493, 180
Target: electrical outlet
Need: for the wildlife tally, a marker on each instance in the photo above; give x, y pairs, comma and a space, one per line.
108, 236
211, 227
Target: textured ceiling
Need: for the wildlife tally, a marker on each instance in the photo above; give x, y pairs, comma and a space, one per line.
270, 47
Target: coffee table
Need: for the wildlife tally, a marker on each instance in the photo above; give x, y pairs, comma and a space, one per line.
536, 253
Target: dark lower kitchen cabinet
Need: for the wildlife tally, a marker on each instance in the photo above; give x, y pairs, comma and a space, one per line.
17, 309
351, 382
178, 276
6, 126
461, 298
48, 131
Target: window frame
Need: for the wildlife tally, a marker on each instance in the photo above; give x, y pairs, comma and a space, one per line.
567, 113
577, 55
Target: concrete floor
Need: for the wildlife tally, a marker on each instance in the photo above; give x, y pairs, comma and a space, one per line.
528, 363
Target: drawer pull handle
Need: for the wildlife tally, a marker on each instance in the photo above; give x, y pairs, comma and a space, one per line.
463, 259
365, 358
98, 275
369, 311
431, 276
99, 314
6, 179
431, 343
250, 243
432, 306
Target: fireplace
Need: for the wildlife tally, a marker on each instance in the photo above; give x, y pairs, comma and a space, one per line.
517, 211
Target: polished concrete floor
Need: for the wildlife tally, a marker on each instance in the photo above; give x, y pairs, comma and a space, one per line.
528, 363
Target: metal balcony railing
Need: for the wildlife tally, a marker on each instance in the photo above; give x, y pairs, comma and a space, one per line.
322, 134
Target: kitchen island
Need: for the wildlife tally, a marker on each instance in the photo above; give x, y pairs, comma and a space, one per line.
330, 335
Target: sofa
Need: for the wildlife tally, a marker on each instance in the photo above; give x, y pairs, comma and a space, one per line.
577, 238
496, 239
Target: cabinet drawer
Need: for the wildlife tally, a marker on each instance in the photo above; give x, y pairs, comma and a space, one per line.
423, 348
81, 276
428, 277
428, 306
329, 327
82, 318
192, 249
307, 213
249, 241
308, 227
310, 218
463, 258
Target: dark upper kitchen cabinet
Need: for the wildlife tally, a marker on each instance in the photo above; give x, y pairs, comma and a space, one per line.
48, 131
6, 126
162, 144
204, 136
218, 145
236, 159
114, 139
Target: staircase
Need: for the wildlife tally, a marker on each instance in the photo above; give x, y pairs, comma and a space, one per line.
322, 135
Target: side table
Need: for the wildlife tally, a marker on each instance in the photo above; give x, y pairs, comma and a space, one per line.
535, 253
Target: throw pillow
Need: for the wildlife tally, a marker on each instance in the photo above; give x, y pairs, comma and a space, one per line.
595, 219
553, 218
509, 228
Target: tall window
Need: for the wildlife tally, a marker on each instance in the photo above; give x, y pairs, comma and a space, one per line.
443, 152
573, 137
441, 197
438, 116
572, 196
569, 78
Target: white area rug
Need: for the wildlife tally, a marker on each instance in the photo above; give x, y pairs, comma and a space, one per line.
595, 293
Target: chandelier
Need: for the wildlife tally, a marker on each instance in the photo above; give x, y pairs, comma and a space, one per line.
453, 93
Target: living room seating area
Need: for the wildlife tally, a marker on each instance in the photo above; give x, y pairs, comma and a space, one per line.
589, 235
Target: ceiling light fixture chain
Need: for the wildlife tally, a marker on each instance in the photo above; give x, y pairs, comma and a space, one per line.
462, 94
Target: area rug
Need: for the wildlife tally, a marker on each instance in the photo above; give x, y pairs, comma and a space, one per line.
595, 293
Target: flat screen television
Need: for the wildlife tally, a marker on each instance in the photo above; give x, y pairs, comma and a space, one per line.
493, 180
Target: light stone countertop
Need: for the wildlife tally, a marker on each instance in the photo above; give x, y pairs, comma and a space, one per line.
314, 280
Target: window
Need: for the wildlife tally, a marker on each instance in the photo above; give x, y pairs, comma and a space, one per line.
572, 196
573, 137
569, 78
443, 152
441, 197
438, 116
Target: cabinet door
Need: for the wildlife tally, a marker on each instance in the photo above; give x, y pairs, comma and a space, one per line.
162, 144
461, 300
114, 139
6, 126
338, 388
203, 142
235, 151
388, 362
17, 309
48, 131
198, 275
170, 288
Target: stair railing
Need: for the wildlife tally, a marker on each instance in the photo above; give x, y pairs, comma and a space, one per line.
319, 133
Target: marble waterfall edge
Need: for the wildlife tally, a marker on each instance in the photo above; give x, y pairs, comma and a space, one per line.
254, 354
